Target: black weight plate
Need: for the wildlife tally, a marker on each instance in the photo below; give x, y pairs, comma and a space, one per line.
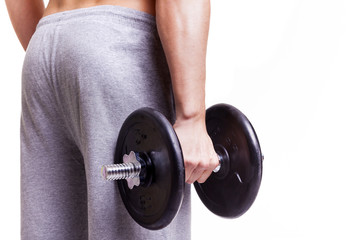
153, 206
230, 192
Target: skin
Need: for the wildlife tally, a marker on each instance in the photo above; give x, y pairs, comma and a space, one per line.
183, 27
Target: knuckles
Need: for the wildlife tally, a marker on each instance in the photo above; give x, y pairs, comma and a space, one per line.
201, 163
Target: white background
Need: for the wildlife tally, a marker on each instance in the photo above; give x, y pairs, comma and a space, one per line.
293, 68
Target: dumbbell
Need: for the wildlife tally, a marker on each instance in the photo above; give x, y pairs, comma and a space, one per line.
149, 166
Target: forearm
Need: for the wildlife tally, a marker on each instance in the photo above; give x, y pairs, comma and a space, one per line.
25, 15
183, 27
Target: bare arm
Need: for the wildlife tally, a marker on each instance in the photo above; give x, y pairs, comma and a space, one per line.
25, 15
183, 27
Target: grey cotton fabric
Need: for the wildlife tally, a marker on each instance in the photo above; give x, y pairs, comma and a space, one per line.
84, 72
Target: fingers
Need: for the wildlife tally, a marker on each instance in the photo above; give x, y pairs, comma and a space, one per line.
205, 176
200, 170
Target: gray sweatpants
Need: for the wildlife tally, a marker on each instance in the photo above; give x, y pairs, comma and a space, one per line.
84, 72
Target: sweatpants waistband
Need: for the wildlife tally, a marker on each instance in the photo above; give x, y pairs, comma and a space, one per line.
114, 13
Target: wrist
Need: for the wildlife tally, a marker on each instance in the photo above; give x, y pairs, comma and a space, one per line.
193, 119
190, 113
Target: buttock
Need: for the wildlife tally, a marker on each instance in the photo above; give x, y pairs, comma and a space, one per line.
100, 57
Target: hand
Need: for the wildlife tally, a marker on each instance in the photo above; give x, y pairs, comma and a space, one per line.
200, 158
